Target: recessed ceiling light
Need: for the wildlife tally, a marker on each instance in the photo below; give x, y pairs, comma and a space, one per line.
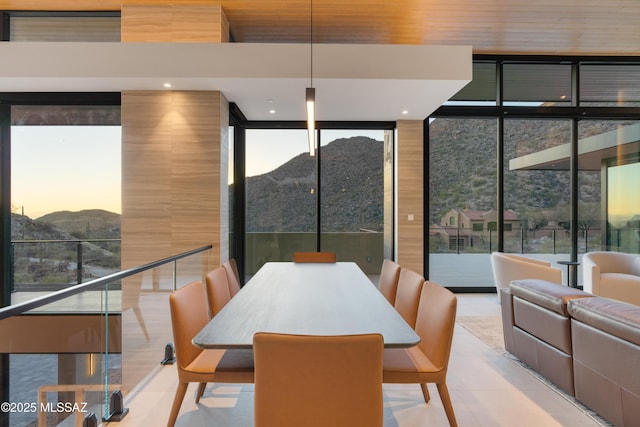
405, 112
272, 111
167, 85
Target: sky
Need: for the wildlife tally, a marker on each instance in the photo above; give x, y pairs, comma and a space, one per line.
266, 149
65, 168
624, 199
47, 161
79, 167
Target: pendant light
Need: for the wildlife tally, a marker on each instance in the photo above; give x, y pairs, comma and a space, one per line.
311, 95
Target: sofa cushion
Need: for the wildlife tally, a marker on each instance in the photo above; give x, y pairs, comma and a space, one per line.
617, 318
549, 295
615, 278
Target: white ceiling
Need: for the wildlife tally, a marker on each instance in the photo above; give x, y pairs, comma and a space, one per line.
353, 82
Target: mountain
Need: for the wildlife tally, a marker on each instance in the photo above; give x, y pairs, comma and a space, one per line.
463, 165
85, 224
352, 189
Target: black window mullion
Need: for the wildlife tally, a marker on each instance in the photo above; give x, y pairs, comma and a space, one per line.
318, 191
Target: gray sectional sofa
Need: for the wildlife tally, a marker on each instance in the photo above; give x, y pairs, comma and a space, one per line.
588, 346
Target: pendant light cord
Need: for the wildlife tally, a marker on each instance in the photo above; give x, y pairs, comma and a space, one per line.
311, 38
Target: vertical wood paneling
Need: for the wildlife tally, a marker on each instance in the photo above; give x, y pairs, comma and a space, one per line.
410, 194
141, 23
223, 176
196, 170
146, 177
174, 23
171, 180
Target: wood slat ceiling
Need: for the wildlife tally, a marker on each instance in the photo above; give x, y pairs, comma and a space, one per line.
544, 27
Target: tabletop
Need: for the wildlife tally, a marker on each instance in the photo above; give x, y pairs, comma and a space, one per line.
307, 299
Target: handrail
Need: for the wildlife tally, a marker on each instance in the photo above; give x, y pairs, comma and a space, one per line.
20, 308
65, 241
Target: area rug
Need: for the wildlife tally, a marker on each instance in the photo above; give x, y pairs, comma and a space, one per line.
488, 329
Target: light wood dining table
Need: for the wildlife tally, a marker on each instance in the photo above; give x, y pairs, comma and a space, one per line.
306, 299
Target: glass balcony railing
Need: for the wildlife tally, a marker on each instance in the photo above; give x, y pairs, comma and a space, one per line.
50, 265
540, 241
364, 248
78, 353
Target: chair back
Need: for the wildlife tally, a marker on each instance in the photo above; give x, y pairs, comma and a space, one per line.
388, 283
189, 315
508, 267
217, 290
318, 381
435, 323
233, 278
613, 262
408, 295
314, 257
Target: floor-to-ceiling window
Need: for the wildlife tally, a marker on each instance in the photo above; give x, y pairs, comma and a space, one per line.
462, 198
280, 197
354, 178
536, 198
61, 199
65, 196
339, 200
564, 142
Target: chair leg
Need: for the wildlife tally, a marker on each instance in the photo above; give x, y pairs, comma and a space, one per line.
177, 402
446, 402
138, 313
425, 392
200, 392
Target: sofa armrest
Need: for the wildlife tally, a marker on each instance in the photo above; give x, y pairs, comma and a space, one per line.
590, 276
506, 307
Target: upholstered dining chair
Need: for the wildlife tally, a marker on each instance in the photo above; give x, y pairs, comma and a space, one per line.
429, 360
189, 314
388, 282
408, 295
233, 277
217, 290
314, 257
318, 381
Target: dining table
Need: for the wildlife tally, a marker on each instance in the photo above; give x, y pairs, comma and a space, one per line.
324, 299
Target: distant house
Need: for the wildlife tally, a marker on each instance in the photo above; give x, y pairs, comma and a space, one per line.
463, 226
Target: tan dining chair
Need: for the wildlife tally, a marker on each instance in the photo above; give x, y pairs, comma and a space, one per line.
233, 277
189, 314
388, 282
408, 295
429, 360
217, 290
314, 257
318, 381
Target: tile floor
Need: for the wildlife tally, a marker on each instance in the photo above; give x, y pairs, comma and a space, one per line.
487, 389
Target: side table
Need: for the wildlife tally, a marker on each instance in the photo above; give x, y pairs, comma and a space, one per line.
570, 265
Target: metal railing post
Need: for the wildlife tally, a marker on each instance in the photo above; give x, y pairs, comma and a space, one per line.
175, 274
79, 262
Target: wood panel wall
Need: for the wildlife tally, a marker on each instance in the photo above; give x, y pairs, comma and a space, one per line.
410, 236
172, 22
171, 174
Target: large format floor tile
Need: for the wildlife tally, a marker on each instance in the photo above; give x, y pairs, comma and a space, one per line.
487, 389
